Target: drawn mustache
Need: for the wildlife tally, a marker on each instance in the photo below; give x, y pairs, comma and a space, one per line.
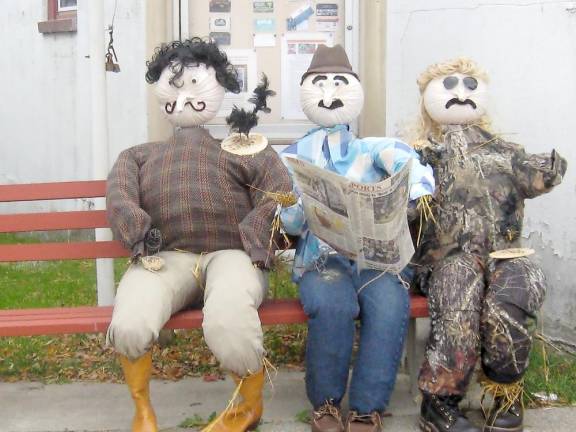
336, 103
201, 106
456, 101
171, 106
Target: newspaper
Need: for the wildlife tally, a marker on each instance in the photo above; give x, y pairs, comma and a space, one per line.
364, 222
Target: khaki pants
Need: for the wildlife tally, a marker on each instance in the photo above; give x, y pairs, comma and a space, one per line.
231, 288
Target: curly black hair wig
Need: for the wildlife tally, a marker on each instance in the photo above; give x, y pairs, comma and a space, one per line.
179, 54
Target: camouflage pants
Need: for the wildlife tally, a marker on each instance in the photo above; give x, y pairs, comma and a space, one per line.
475, 312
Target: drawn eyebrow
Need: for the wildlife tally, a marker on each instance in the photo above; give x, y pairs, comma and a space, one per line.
319, 78
341, 78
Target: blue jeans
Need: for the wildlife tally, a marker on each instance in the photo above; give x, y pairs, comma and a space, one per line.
333, 298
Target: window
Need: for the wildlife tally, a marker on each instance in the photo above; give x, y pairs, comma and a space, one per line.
61, 17
67, 5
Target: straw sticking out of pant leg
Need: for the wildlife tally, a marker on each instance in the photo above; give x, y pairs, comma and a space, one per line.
268, 366
226, 410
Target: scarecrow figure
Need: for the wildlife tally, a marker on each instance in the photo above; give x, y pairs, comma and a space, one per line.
198, 225
332, 290
483, 291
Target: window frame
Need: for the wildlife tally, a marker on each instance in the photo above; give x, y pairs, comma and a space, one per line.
59, 21
60, 9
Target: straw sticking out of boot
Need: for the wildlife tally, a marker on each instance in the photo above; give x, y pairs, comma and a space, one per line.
510, 393
226, 410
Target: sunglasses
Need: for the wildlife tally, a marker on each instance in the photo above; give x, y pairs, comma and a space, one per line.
452, 81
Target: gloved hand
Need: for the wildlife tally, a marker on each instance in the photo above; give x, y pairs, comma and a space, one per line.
153, 241
149, 246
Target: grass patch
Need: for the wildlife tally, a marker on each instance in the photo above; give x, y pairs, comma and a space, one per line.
303, 416
281, 285
9, 238
47, 284
550, 372
51, 283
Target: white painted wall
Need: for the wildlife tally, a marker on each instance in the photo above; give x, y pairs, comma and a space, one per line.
528, 48
45, 114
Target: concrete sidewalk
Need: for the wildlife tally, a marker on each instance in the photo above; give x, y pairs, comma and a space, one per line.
34, 407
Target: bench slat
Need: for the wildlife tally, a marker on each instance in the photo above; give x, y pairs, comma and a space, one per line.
54, 313
52, 327
55, 310
53, 191
96, 320
62, 251
418, 306
25, 222
90, 319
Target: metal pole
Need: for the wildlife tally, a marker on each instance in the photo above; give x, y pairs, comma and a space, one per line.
184, 22
104, 266
352, 39
180, 24
179, 19
175, 20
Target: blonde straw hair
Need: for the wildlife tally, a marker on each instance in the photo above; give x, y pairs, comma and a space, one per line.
427, 127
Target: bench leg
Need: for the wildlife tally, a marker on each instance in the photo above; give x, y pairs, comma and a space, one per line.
166, 337
411, 356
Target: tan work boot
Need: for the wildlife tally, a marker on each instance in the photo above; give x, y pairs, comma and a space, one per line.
137, 374
327, 418
246, 415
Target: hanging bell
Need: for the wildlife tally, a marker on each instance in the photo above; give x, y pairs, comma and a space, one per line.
110, 65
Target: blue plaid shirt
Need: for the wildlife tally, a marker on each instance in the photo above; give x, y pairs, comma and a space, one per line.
364, 160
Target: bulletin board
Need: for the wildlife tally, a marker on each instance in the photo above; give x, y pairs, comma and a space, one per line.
278, 38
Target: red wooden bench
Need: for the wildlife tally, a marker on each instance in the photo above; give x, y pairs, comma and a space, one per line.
94, 319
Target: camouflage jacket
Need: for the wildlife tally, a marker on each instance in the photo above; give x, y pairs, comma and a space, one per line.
482, 182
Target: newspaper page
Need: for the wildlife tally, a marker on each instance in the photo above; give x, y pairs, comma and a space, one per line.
364, 222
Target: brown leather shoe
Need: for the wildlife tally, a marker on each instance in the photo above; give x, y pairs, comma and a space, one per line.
327, 418
363, 423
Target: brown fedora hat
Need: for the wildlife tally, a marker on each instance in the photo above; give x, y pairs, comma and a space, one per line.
329, 60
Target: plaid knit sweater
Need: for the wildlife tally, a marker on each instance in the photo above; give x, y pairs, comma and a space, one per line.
196, 194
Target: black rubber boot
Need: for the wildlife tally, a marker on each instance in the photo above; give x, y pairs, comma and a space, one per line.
505, 420
441, 413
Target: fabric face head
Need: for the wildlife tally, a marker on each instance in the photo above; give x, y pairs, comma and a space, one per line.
191, 99
455, 99
329, 99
